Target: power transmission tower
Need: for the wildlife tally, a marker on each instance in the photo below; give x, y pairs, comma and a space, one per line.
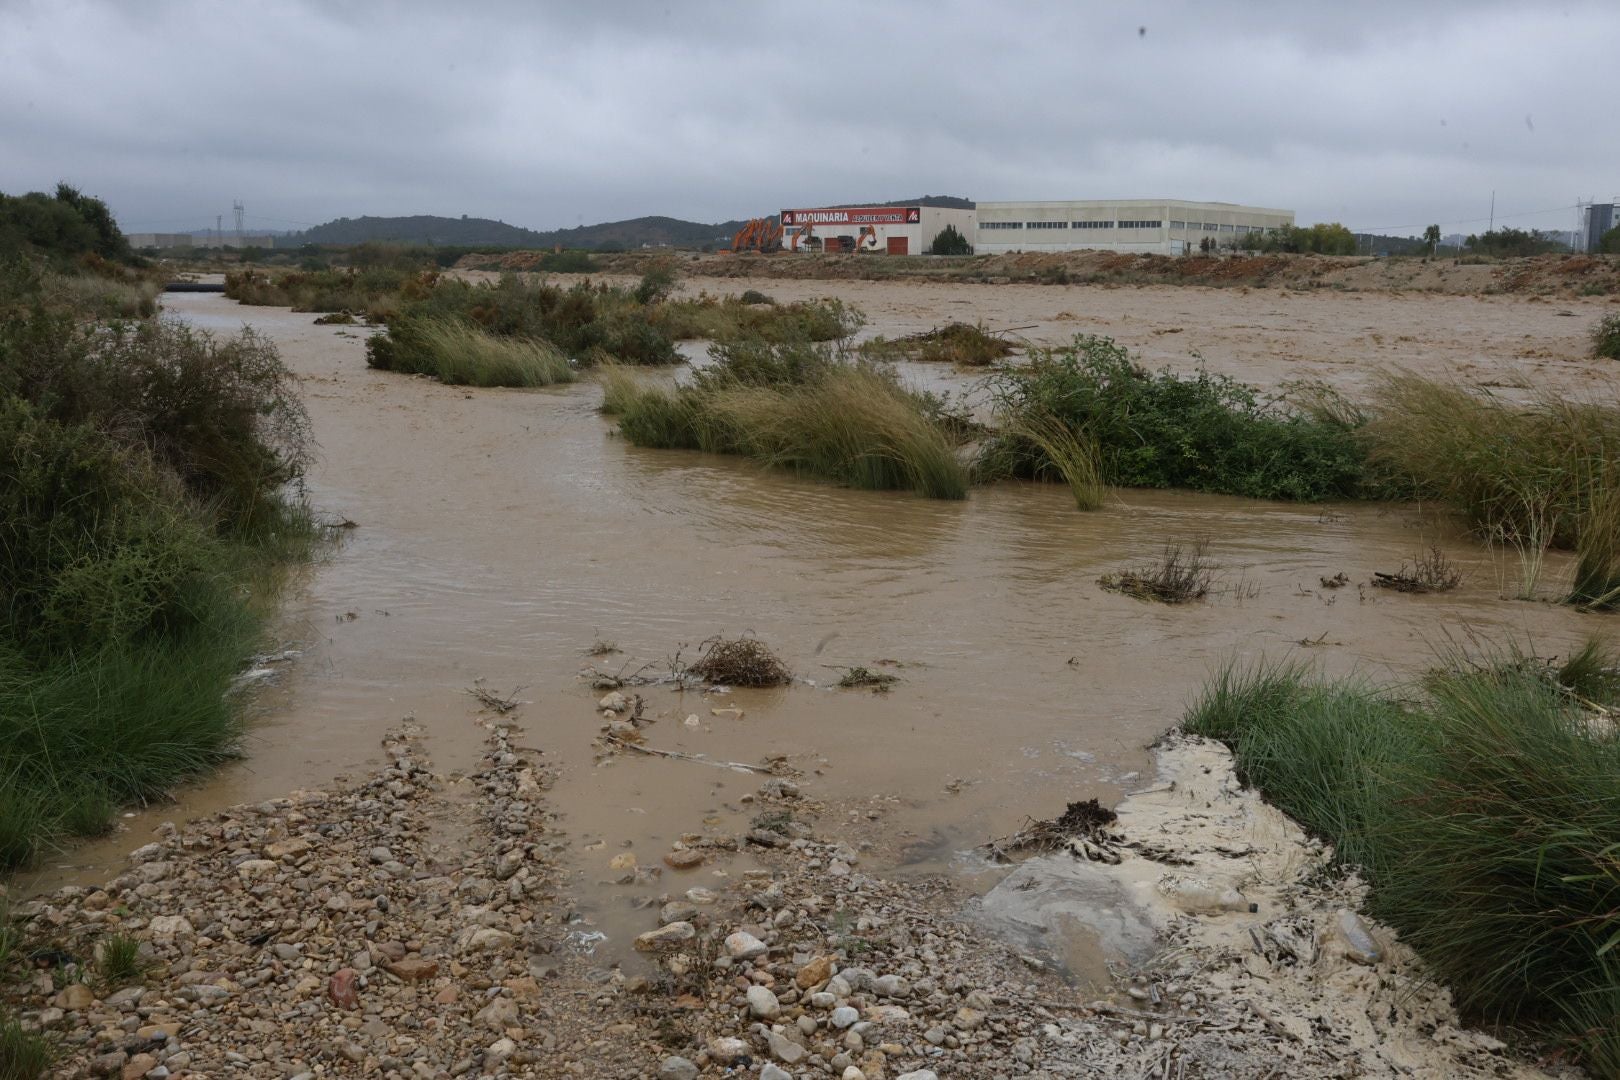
240, 211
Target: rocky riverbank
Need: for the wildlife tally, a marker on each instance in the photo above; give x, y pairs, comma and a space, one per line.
416, 926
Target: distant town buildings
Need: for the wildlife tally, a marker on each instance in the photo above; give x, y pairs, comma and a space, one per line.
186, 240
1596, 219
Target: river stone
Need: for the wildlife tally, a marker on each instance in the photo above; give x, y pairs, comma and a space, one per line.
726, 1049
666, 937
685, 859
412, 969
843, 1016
920, 1074
744, 946
499, 1014
890, 986
786, 1050
485, 938
814, 973
677, 1068
772, 1072
1063, 908
762, 1003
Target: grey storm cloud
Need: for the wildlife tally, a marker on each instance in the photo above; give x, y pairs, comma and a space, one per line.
1380, 115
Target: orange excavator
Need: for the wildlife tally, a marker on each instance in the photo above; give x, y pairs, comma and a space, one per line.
760, 234
868, 240
806, 233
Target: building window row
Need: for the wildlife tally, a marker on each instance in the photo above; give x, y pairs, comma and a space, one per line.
1140, 224
1046, 224
1001, 224
1094, 224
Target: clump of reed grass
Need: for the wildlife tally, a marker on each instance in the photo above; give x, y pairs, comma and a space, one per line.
1427, 572
1181, 574
24, 1055
461, 354
1071, 454
800, 407
1483, 810
118, 958
1597, 554
1606, 337
741, 661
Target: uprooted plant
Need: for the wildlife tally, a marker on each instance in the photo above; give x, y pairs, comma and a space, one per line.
1181, 574
740, 661
1427, 572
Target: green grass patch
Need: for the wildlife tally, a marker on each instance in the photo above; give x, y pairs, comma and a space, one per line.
377, 291
462, 354
118, 958
1483, 809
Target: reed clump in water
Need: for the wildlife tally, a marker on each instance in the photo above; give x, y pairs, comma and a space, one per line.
1181, 574
965, 344
461, 354
1483, 808
806, 408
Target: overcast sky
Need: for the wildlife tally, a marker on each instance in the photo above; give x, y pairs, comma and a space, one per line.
1380, 115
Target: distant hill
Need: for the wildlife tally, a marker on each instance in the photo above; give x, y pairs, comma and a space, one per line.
609, 235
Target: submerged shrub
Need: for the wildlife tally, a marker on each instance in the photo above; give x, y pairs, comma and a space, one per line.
1203, 432
954, 343
743, 661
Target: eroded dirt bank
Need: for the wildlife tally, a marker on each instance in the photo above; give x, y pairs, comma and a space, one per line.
413, 925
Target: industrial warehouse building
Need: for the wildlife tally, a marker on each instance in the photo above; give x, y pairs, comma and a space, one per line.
1167, 227
892, 230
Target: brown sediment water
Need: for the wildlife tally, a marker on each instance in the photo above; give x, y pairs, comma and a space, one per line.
501, 532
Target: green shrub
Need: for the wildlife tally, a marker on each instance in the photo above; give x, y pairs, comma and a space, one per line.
1205, 432
118, 958
1484, 813
950, 241
954, 343
1606, 337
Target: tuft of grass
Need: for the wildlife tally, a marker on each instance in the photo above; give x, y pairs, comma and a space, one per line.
619, 388
1521, 473
743, 661
1181, 575
461, 354
1427, 572
1606, 337
1071, 454
118, 958
1597, 553
1484, 813
754, 296
23, 1055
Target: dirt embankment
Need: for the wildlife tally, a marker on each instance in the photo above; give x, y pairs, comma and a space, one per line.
1548, 275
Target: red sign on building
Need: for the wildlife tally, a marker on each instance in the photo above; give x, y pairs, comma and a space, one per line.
855, 215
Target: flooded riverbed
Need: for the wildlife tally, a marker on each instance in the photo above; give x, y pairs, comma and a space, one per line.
501, 533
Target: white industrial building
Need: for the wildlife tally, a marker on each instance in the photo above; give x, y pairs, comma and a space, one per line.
891, 230
1160, 226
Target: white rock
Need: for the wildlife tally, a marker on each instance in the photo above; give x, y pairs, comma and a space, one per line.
772, 1072
786, 1050
920, 1074
666, 937
744, 946
499, 1014
852, 1073
255, 869
726, 1050
843, 1016
168, 926
762, 1003
614, 703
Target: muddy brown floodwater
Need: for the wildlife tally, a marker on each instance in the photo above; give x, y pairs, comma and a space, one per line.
501, 532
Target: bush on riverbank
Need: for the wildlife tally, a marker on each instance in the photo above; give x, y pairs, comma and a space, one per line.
804, 408
148, 468
1484, 812
1203, 432
375, 291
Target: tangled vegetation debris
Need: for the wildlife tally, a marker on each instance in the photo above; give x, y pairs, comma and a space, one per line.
741, 661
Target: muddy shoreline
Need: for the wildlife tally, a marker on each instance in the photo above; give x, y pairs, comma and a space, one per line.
418, 924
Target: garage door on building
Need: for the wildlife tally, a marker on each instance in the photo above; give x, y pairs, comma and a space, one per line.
899, 245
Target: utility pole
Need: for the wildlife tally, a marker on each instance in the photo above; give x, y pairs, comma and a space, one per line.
1493, 211
219, 229
240, 211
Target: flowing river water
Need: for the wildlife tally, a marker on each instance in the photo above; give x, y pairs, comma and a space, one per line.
500, 533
